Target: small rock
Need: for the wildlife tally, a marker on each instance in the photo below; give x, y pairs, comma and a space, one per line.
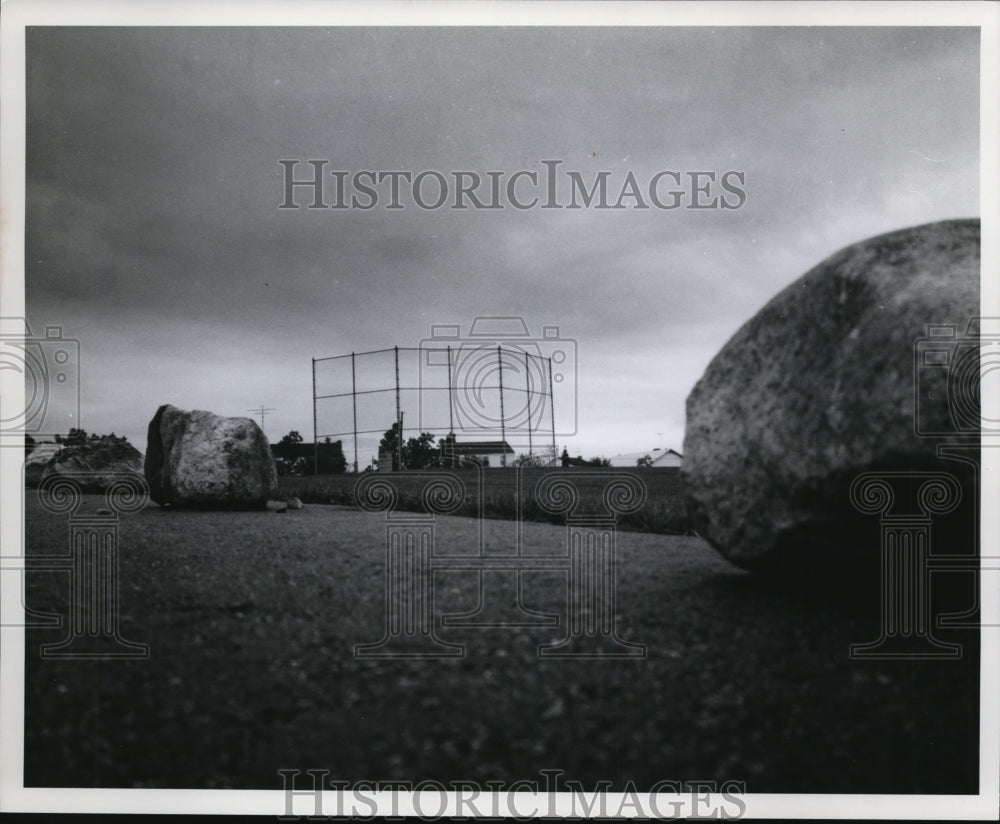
294, 503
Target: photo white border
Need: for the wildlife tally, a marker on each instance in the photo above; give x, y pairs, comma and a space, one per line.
16, 14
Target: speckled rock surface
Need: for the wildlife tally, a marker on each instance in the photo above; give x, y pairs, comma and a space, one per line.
818, 387
38, 461
199, 459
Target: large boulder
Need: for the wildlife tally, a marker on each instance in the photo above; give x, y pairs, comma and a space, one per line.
819, 387
199, 459
38, 460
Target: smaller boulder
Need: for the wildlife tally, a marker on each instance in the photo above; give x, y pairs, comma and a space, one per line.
96, 463
37, 461
294, 503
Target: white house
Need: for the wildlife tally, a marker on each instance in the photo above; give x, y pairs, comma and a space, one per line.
661, 458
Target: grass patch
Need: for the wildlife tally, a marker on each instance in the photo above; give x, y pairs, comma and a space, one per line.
506, 494
252, 618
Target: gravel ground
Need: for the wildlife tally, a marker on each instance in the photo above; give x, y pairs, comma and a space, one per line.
252, 619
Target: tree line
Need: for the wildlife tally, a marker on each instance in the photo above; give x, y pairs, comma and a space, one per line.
292, 456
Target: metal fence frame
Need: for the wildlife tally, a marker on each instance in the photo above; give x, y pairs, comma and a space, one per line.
353, 394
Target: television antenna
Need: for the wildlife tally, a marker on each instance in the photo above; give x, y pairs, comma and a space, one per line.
262, 411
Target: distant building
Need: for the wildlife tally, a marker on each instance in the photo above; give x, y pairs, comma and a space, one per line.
661, 458
384, 459
477, 450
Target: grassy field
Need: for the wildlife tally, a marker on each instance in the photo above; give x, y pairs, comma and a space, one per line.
252, 619
509, 494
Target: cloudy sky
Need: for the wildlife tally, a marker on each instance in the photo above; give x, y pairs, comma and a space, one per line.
153, 185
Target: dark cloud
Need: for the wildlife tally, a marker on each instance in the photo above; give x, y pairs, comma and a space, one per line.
153, 232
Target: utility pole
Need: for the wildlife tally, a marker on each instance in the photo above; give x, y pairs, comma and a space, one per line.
315, 433
354, 407
527, 384
262, 411
552, 412
503, 432
399, 416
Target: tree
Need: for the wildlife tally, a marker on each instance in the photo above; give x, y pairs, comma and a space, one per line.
76, 437
288, 457
294, 457
390, 444
96, 449
292, 438
292, 466
330, 455
579, 460
419, 452
646, 460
